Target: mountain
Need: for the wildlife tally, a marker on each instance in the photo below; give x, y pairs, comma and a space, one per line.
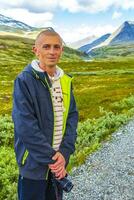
9, 26
82, 42
88, 47
7, 22
123, 35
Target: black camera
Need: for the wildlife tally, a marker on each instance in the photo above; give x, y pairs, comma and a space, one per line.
64, 183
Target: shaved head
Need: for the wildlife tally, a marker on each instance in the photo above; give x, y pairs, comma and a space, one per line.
44, 33
48, 48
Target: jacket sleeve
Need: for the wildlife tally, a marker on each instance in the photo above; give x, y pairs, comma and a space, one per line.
67, 146
26, 125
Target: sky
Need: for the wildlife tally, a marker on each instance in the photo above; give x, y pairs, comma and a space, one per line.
72, 19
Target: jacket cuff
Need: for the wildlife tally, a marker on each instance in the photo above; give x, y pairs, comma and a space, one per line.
66, 155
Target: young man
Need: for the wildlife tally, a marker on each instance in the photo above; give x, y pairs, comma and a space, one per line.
45, 120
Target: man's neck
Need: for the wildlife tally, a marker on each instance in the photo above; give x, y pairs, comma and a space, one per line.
50, 70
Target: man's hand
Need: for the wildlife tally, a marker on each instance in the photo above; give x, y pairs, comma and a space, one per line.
61, 174
60, 160
59, 166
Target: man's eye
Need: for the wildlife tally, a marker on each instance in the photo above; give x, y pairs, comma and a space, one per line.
46, 46
57, 46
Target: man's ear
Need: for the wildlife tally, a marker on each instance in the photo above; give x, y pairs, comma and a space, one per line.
34, 49
62, 51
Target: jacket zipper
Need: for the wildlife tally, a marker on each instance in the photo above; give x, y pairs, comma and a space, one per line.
37, 77
54, 120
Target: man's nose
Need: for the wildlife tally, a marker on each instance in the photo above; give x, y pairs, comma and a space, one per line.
52, 50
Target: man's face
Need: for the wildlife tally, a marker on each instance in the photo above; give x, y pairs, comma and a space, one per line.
48, 50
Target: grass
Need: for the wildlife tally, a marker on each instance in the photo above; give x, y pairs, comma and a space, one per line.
114, 51
103, 83
97, 84
103, 90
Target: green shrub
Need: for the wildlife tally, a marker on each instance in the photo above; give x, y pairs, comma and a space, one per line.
91, 134
8, 174
124, 104
6, 131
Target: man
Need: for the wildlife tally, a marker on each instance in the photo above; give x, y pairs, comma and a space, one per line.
45, 120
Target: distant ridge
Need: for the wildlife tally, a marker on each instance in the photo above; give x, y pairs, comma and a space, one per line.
124, 34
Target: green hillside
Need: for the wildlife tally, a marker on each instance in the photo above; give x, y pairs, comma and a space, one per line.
15, 53
96, 83
114, 51
19, 49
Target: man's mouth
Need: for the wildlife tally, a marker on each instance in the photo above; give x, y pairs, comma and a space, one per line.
51, 58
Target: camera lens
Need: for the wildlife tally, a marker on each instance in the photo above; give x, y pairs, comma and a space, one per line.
68, 186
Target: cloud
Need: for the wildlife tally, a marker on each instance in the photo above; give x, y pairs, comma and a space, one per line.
40, 5
125, 4
90, 6
70, 5
32, 19
85, 5
95, 6
116, 15
8, 4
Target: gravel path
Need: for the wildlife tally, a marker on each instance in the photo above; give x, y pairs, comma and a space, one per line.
108, 174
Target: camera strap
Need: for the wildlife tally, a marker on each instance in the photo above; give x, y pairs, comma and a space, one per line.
57, 190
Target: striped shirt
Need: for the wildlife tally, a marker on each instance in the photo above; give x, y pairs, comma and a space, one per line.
57, 102
57, 99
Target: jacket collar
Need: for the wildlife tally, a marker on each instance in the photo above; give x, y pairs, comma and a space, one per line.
42, 76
